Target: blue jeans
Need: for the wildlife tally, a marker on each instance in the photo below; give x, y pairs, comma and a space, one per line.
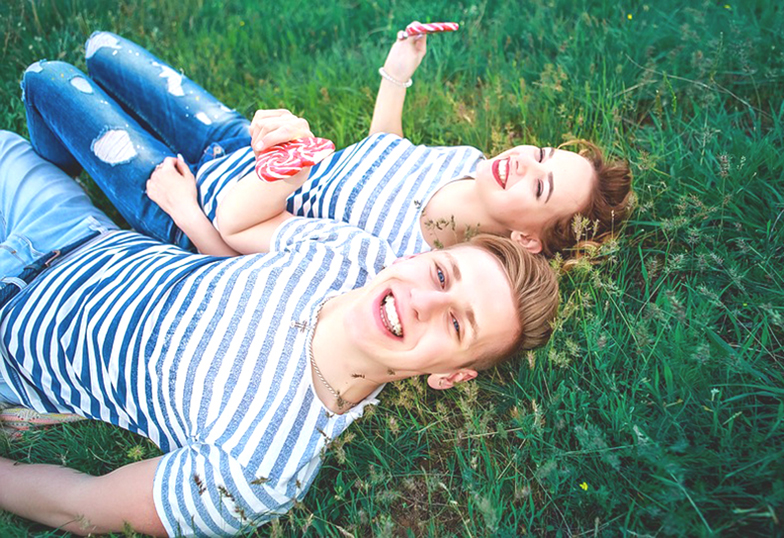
7, 396
133, 111
41, 209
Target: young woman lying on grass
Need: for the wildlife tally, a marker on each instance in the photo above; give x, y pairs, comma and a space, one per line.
414, 197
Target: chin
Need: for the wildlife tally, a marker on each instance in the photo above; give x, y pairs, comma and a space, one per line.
485, 169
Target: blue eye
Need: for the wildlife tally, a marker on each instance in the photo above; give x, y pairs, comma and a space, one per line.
456, 325
441, 278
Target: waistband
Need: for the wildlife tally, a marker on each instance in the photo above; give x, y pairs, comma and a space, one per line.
30, 272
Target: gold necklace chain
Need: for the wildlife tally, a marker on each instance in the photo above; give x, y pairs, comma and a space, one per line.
342, 402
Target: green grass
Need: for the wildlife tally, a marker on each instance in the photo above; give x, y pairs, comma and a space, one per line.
658, 407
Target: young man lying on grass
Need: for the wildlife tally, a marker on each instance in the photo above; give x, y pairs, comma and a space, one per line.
242, 369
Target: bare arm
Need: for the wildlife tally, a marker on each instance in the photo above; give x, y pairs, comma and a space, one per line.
253, 209
80, 503
173, 187
402, 61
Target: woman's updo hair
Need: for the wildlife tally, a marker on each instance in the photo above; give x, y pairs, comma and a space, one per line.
609, 207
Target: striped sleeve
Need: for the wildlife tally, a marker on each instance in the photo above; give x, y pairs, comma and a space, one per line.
341, 238
200, 490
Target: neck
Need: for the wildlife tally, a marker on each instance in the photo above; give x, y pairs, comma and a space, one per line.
454, 214
351, 375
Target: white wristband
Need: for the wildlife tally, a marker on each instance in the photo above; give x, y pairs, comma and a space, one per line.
393, 80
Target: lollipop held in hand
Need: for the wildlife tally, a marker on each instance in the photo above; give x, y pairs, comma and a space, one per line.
285, 160
418, 28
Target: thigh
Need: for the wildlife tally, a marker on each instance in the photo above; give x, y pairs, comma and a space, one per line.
182, 113
111, 146
41, 208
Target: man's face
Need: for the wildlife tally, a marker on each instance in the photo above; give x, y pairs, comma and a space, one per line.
435, 312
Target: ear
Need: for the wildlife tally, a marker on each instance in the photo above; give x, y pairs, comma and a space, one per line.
447, 381
530, 242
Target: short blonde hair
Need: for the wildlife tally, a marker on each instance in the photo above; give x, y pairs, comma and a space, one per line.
535, 294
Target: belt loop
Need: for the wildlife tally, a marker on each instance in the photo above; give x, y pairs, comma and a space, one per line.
53, 257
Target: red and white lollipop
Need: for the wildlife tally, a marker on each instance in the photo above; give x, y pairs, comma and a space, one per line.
285, 160
419, 28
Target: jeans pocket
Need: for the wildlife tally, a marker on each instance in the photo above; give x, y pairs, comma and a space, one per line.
224, 147
16, 252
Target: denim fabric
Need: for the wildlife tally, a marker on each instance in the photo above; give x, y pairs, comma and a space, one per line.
7, 396
41, 208
131, 113
73, 123
179, 111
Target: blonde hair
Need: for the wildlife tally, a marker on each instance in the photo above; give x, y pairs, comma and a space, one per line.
535, 290
609, 206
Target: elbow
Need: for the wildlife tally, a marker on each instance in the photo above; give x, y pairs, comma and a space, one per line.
222, 222
225, 223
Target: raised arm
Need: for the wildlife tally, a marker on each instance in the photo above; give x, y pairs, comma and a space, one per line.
402, 61
252, 210
173, 187
80, 503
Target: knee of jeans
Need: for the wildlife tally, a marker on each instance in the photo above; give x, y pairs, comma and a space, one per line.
99, 40
35, 67
59, 72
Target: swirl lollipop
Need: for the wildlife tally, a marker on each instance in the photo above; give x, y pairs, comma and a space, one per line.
419, 28
285, 160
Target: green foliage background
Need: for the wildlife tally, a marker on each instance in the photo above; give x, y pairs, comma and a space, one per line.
658, 407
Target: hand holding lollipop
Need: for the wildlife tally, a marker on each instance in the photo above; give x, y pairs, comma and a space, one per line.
284, 144
405, 56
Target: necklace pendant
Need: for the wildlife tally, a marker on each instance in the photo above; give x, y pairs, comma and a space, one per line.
299, 325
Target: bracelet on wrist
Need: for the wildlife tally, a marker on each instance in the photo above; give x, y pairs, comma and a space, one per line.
393, 80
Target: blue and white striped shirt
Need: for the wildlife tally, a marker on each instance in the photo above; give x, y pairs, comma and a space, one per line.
380, 184
198, 353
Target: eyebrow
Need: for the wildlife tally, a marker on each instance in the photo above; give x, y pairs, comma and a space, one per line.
550, 181
469, 311
453, 265
552, 150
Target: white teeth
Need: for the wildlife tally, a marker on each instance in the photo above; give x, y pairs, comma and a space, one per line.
391, 315
503, 170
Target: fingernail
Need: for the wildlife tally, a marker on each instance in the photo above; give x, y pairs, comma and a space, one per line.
179, 157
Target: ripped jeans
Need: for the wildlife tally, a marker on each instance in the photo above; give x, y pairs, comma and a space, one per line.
122, 120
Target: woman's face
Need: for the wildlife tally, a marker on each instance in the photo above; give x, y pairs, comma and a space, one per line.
527, 187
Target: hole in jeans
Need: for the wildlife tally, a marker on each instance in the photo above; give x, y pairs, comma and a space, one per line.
98, 41
114, 147
173, 79
35, 68
202, 117
81, 84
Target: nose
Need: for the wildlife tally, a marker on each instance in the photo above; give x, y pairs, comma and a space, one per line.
521, 164
426, 303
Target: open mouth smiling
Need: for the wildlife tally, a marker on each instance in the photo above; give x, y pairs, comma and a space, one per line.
501, 171
390, 317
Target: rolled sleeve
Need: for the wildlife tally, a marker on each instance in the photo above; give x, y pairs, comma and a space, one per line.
200, 490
